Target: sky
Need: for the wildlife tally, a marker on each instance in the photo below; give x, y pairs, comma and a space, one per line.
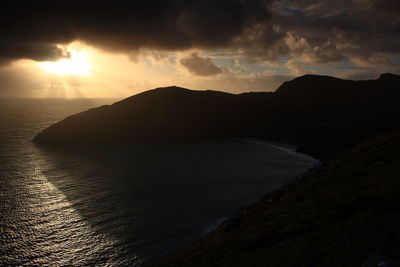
87, 48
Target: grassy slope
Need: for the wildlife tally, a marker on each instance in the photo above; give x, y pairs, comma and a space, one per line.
345, 212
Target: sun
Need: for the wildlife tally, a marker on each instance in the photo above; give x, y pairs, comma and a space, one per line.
77, 64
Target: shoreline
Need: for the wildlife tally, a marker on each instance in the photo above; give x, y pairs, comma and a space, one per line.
286, 148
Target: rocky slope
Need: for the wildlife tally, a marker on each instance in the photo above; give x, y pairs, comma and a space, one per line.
345, 212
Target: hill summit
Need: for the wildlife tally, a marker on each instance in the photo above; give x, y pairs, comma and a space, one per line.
321, 115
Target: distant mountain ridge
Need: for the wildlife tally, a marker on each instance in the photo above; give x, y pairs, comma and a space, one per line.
322, 115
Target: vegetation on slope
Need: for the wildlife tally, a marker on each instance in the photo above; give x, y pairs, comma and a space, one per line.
345, 212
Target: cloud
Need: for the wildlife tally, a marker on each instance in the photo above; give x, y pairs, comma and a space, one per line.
360, 75
255, 82
327, 31
32, 29
202, 66
35, 51
297, 68
368, 27
299, 32
368, 60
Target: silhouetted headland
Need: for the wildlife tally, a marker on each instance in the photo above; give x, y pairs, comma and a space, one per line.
321, 115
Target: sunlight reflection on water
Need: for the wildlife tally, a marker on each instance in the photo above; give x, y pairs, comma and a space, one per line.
124, 205
44, 227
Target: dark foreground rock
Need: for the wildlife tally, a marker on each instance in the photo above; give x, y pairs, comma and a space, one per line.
321, 115
345, 212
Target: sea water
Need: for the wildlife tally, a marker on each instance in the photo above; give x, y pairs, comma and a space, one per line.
126, 204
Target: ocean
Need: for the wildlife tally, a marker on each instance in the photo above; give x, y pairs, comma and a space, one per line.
127, 204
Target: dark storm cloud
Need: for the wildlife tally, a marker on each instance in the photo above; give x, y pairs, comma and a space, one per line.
35, 51
330, 30
30, 29
315, 31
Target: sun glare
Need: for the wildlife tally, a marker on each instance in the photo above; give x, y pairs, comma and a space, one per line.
77, 64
